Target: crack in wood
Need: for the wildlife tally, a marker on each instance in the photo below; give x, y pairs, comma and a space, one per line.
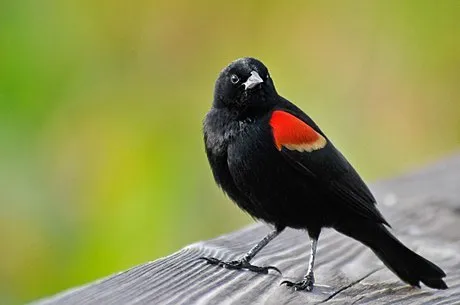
333, 295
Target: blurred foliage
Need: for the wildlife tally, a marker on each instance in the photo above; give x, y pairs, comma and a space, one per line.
101, 104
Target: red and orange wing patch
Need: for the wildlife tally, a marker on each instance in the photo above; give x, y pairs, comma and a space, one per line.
294, 134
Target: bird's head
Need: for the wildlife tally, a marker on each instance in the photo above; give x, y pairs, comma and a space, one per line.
244, 83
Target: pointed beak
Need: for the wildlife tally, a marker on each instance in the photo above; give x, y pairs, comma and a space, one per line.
253, 80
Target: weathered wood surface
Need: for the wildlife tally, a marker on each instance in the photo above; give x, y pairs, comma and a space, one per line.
423, 208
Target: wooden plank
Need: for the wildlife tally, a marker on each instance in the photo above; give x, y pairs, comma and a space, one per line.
423, 208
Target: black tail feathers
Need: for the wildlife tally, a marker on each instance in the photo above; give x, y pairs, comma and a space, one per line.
406, 264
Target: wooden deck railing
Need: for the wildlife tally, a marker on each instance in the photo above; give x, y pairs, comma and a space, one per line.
423, 208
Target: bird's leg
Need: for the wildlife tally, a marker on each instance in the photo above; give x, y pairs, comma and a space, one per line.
243, 263
309, 278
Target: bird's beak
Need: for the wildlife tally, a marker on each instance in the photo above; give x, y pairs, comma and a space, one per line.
253, 80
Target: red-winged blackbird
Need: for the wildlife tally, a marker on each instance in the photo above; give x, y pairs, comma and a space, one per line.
277, 165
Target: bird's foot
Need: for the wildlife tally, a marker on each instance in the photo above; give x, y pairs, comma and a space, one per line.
306, 284
239, 264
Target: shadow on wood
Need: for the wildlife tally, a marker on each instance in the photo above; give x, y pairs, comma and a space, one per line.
423, 209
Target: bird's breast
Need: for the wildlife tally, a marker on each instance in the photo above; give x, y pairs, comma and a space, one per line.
221, 129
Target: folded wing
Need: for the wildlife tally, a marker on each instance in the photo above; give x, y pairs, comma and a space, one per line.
306, 148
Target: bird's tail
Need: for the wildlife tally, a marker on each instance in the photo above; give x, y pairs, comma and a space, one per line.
406, 264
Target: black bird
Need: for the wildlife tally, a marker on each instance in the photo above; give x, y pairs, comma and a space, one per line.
276, 164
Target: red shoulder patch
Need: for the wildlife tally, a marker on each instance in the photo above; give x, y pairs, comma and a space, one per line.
294, 134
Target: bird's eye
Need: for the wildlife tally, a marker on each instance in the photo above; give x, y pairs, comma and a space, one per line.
234, 79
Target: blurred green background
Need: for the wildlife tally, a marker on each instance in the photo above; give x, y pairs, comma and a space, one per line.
101, 104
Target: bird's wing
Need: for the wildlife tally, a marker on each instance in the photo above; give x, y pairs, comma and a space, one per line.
308, 150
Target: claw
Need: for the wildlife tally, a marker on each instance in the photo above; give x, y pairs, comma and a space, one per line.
210, 260
307, 284
274, 269
239, 264
287, 283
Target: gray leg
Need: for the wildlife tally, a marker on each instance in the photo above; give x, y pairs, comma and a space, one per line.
243, 263
260, 245
309, 279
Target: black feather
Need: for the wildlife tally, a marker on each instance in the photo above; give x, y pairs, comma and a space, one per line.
303, 190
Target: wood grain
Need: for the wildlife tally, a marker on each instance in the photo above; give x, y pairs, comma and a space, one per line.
422, 207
